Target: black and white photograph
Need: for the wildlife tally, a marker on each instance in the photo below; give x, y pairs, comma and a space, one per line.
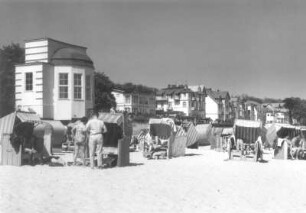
152, 106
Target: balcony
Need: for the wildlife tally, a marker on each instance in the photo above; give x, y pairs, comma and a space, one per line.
176, 97
159, 98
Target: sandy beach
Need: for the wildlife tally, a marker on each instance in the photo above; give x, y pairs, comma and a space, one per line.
202, 181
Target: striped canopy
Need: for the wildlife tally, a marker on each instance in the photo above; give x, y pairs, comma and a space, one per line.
7, 122
192, 134
247, 130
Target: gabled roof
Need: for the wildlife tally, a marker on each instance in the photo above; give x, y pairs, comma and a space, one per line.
274, 105
173, 91
216, 95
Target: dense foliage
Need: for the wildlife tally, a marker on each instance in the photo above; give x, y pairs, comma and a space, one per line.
135, 88
104, 99
297, 109
9, 56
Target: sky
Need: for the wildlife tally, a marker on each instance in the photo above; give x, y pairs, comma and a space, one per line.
242, 46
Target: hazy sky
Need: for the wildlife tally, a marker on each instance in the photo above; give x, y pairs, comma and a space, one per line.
256, 47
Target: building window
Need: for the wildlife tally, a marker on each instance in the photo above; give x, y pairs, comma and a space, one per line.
128, 99
29, 81
77, 86
177, 102
63, 85
88, 88
184, 104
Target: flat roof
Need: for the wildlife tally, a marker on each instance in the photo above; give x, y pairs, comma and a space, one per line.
46, 38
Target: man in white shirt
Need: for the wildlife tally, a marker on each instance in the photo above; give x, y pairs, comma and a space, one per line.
95, 129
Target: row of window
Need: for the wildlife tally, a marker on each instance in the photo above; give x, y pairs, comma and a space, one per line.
77, 86
63, 85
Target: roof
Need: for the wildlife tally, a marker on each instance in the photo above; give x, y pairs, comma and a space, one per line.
71, 56
196, 88
7, 122
247, 123
216, 94
227, 131
28, 117
46, 38
274, 105
173, 91
116, 118
252, 102
165, 121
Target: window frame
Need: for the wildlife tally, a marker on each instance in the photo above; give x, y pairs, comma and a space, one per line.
28, 84
88, 88
77, 88
60, 85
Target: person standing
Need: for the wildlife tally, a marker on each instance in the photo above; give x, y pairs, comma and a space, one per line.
95, 129
79, 135
259, 149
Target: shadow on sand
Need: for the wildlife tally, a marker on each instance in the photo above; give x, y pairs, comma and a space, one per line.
191, 154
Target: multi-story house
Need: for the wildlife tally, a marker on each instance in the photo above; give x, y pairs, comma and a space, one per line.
237, 108
275, 113
135, 102
56, 80
217, 105
180, 98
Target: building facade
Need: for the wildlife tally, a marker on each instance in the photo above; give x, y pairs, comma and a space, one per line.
180, 98
56, 80
237, 108
217, 105
275, 113
138, 103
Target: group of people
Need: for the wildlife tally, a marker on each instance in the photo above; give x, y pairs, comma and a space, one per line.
295, 146
91, 133
156, 148
239, 146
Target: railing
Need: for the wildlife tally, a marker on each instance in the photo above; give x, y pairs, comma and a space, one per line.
161, 98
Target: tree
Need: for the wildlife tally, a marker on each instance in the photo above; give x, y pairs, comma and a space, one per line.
9, 56
137, 88
104, 98
295, 107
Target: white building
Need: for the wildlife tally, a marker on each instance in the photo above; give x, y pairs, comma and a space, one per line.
181, 99
276, 113
217, 104
134, 102
56, 81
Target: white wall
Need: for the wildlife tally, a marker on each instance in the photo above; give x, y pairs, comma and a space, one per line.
36, 51
185, 97
62, 107
211, 108
29, 99
65, 109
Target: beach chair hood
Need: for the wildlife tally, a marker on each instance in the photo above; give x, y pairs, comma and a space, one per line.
162, 128
7, 122
247, 130
278, 130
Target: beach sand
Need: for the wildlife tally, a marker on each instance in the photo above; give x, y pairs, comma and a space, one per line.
202, 181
